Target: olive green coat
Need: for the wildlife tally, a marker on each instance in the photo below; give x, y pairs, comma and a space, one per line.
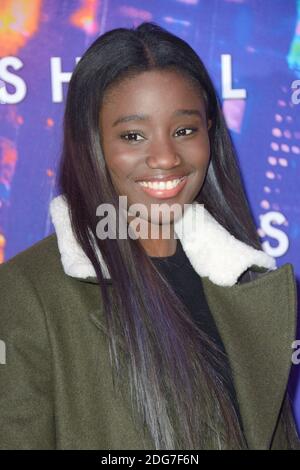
56, 389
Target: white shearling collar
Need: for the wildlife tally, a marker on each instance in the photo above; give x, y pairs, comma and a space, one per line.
212, 250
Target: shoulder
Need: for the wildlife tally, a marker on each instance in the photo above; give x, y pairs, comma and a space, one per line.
40, 262
34, 288
23, 323
30, 279
256, 272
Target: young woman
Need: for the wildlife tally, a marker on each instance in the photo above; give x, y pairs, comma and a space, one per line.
147, 342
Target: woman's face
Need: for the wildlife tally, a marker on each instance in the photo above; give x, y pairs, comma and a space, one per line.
153, 132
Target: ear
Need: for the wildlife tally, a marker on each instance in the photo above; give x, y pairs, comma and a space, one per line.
209, 124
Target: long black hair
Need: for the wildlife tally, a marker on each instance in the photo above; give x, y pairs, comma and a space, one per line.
171, 367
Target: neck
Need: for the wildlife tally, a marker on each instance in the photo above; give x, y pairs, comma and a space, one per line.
159, 248
159, 242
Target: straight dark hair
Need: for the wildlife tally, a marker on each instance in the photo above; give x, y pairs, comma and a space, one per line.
172, 369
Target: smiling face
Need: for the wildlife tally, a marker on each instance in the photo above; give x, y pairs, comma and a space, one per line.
154, 136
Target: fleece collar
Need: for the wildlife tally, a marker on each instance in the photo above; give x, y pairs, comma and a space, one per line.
211, 249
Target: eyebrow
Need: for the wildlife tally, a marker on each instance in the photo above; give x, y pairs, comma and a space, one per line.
145, 117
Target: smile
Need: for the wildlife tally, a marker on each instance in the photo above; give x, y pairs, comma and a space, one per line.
163, 189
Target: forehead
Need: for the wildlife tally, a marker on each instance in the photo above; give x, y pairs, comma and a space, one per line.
154, 87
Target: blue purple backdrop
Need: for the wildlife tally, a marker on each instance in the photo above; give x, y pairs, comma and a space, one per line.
250, 47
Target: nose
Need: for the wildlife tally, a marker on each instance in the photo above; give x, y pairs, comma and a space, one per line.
163, 154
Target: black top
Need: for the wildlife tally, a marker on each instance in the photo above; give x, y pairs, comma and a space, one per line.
187, 284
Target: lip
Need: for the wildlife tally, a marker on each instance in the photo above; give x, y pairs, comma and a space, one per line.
164, 193
160, 177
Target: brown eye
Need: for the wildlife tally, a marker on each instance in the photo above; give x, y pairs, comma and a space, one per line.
185, 129
130, 136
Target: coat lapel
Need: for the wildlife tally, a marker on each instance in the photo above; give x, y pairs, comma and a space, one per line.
256, 319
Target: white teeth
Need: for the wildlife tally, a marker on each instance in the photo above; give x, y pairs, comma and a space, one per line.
160, 184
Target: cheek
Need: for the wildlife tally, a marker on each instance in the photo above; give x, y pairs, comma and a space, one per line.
121, 167
200, 154
119, 162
